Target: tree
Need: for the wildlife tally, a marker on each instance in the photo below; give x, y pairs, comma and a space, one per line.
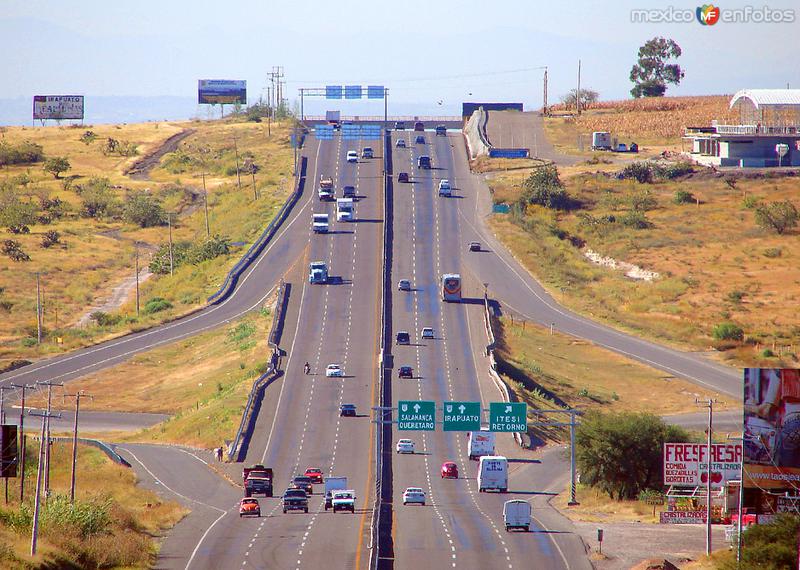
652, 72
777, 216
56, 165
543, 187
587, 98
621, 454
145, 210
98, 198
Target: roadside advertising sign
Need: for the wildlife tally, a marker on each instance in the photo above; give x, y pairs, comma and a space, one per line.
57, 107
771, 427
221, 91
683, 517
686, 464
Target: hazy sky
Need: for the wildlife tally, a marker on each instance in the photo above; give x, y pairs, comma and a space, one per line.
424, 51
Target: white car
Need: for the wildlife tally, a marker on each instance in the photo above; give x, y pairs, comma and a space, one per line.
334, 371
352, 156
404, 446
444, 187
414, 495
427, 332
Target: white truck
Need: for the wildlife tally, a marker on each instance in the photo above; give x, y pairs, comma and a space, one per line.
344, 500
517, 514
493, 474
333, 484
480, 443
345, 210
320, 223
325, 191
317, 272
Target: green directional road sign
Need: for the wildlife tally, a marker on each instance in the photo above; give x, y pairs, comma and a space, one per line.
416, 415
462, 416
508, 416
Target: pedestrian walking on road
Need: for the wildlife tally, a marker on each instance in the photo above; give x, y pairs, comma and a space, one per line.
218, 453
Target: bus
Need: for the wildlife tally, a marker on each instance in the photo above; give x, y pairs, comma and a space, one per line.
451, 287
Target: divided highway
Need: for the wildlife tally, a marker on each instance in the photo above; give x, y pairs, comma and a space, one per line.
299, 425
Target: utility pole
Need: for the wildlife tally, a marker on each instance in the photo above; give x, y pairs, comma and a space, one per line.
171, 259
253, 174
205, 201
47, 443
36, 505
78, 396
573, 500
236, 151
2, 422
710, 405
22, 444
578, 92
38, 311
136, 263
544, 98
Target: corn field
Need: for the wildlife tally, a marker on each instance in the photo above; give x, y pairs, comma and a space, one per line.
655, 117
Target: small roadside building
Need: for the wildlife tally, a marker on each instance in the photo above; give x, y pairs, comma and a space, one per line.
768, 133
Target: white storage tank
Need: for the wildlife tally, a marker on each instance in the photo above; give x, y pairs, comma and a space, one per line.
601, 140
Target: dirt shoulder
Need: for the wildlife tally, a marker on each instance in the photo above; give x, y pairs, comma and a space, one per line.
140, 170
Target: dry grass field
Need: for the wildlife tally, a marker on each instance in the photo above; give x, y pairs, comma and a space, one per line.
715, 264
96, 254
655, 122
114, 525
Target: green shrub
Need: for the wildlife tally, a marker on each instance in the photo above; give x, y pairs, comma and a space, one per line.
769, 546
750, 202
727, 331
104, 319
241, 331
144, 210
642, 172
544, 188
97, 198
643, 201
777, 216
56, 165
159, 263
179, 162
25, 152
155, 305
636, 220
736, 296
676, 170
209, 249
683, 197
773, 252
767, 353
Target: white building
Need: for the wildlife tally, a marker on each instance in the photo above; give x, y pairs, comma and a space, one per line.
767, 118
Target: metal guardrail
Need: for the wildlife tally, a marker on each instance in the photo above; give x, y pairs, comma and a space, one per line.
101, 445
258, 246
498, 381
277, 324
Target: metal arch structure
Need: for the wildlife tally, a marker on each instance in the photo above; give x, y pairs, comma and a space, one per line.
347, 92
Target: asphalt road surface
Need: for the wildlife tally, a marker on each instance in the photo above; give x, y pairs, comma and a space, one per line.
90, 421
514, 129
299, 424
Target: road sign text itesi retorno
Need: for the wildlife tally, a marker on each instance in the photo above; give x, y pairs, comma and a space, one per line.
505, 416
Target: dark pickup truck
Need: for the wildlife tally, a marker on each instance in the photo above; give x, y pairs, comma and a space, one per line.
257, 481
295, 500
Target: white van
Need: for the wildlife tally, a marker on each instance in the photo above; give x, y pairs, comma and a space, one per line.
480, 443
493, 473
517, 514
344, 210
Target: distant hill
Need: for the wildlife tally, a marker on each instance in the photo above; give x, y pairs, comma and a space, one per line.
114, 109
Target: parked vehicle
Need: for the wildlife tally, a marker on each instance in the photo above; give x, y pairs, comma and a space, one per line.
295, 500
249, 508
257, 481
517, 514
493, 473
344, 501
333, 484
480, 443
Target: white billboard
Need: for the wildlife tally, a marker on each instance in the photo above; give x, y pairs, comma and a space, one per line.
686, 465
58, 107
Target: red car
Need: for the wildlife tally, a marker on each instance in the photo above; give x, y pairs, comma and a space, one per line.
449, 470
315, 474
249, 507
